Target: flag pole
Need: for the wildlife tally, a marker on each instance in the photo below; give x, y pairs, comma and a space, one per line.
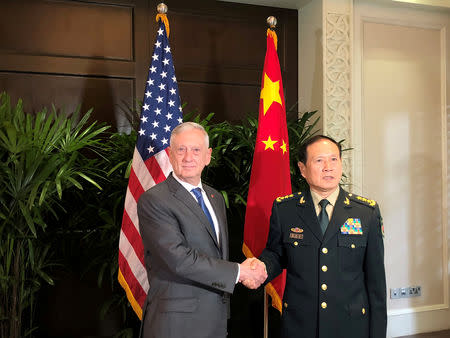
266, 314
272, 22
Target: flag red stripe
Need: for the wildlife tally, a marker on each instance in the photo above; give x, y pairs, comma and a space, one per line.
133, 236
134, 185
155, 170
135, 287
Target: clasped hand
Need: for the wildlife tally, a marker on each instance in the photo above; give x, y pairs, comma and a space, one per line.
252, 273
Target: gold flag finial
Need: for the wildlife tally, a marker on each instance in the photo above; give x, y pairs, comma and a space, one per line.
272, 21
162, 8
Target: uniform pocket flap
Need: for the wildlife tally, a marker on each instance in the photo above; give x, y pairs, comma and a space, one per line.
358, 309
178, 304
352, 241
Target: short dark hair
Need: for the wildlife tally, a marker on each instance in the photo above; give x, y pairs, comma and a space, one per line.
302, 152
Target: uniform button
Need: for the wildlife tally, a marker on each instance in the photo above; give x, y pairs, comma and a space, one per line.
285, 305
324, 268
325, 250
324, 305
353, 246
295, 243
324, 287
363, 311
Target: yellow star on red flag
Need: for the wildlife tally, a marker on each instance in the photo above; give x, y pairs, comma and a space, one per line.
269, 143
283, 147
270, 92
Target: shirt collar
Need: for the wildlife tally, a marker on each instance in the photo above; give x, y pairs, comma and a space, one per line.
186, 185
331, 198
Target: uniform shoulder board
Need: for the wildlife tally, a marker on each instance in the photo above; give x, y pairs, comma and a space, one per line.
288, 197
362, 200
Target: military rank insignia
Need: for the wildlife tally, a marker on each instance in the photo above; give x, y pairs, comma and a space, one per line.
352, 226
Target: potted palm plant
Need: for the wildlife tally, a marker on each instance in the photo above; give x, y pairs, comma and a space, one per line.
41, 155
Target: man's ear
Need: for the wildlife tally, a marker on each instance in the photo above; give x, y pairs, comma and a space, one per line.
208, 156
302, 168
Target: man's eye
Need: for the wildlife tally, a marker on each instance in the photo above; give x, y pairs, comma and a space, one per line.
196, 151
181, 150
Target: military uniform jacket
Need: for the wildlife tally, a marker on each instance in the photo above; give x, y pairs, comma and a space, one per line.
335, 285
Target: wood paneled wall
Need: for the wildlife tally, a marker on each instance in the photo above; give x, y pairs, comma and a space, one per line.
96, 54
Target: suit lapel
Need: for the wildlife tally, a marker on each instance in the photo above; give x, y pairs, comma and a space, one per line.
307, 213
185, 197
339, 216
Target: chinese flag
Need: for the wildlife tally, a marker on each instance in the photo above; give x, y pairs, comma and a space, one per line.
270, 176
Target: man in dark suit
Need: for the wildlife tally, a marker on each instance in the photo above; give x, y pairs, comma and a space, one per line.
184, 231
331, 243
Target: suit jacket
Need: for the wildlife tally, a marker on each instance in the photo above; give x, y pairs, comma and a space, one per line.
335, 285
189, 276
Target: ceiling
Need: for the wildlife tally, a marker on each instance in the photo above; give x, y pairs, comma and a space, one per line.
293, 4
297, 4
437, 3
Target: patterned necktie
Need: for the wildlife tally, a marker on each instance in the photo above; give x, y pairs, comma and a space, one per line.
323, 216
198, 194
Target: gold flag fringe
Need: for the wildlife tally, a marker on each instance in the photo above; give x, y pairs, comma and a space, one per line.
164, 19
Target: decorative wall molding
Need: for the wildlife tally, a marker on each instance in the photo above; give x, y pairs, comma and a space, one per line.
337, 84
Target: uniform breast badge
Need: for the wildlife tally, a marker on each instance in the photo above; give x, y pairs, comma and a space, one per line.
296, 233
352, 226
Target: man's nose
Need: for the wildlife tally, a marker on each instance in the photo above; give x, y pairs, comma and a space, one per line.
327, 165
187, 155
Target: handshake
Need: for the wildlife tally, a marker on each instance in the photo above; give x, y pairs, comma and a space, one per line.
252, 273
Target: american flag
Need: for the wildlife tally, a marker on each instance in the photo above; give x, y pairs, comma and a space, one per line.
161, 112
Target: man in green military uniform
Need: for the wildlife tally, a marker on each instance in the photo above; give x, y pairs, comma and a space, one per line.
331, 243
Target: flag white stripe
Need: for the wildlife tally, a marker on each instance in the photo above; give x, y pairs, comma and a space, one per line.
164, 163
131, 208
141, 171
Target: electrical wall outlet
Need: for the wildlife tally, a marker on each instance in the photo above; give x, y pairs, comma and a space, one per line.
406, 292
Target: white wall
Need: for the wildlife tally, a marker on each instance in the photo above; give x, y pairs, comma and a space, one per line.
400, 133
310, 65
